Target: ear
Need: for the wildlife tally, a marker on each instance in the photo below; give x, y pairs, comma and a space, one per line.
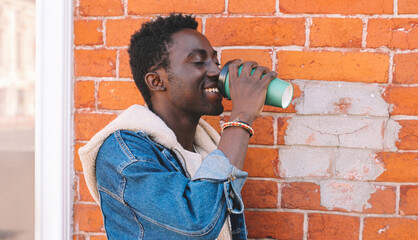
154, 82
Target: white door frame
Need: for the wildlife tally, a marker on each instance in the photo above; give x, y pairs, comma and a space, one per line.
53, 126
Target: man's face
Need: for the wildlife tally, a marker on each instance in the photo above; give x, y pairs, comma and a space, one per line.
193, 74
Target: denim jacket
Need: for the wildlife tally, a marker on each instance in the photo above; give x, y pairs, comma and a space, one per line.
145, 193
147, 189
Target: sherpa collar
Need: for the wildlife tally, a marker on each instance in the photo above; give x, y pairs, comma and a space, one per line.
139, 118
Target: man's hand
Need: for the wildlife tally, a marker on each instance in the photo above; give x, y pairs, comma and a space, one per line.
248, 93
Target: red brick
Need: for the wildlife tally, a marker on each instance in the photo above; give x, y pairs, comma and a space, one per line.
76, 12
251, 6
83, 191
101, 8
185, 6
124, 66
98, 237
79, 237
408, 135
282, 125
261, 56
119, 31
390, 228
263, 131
332, 226
333, 66
404, 100
336, 32
118, 95
88, 124
84, 94
409, 199
383, 201
400, 167
76, 196
260, 194
262, 162
406, 68
88, 32
276, 225
337, 7
301, 195
77, 162
255, 31
407, 7
95, 63
393, 33
214, 121
87, 218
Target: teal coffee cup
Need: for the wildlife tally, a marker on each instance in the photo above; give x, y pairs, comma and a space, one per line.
279, 92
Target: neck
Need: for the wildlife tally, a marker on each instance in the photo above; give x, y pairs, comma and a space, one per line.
183, 125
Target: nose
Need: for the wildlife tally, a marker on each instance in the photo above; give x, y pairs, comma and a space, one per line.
214, 70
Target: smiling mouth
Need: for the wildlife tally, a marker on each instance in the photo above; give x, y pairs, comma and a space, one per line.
212, 90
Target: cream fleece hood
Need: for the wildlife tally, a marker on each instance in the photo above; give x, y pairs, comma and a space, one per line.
140, 118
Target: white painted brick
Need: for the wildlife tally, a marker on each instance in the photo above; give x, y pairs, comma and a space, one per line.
351, 196
341, 131
306, 161
341, 98
391, 135
358, 164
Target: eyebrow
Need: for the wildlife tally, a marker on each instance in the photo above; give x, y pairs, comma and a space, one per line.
201, 52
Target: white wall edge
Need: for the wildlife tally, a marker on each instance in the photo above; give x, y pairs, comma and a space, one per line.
53, 124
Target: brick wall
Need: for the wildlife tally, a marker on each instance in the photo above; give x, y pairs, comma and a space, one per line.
340, 163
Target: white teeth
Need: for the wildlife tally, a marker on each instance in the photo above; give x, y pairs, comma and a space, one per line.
211, 90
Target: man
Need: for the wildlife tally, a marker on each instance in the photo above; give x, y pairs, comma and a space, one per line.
161, 172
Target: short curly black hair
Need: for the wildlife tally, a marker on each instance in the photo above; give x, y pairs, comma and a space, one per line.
148, 50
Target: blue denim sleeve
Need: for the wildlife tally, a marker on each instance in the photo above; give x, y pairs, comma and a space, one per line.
163, 198
216, 166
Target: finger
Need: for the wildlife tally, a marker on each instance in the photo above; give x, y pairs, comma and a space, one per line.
247, 67
259, 71
233, 69
268, 77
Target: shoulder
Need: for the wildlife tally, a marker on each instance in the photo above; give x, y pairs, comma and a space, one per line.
125, 146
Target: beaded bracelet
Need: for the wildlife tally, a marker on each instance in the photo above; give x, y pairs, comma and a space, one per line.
240, 124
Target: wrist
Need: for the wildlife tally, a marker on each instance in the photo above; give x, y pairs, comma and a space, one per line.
243, 118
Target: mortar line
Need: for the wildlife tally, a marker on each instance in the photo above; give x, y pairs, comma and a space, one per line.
279, 193
322, 179
103, 79
226, 7
277, 8
352, 214
104, 25
274, 60
382, 50
305, 226
125, 8
117, 63
395, 8
203, 25
391, 68
398, 199
244, 15
308, 24
101, 47
78, 8
77, 179
360, 232
275, 130
96, 95
364, 33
